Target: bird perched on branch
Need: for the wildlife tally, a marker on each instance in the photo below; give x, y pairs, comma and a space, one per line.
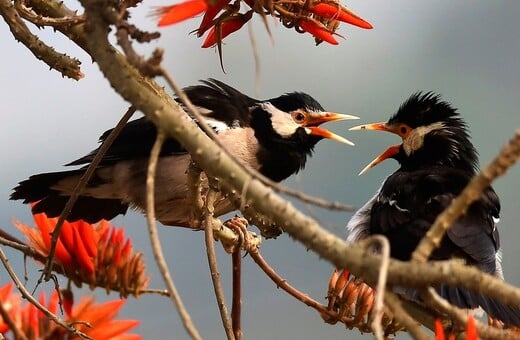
437, 160
272, 136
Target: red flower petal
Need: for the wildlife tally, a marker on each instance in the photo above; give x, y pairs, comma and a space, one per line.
81, 254
439, 330
317, 30
471, 329
226, 28
211, 13
176, 13
88, 236
67, 236
334, 12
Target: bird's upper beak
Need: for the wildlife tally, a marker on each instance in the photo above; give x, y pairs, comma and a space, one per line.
317, 118
388, 153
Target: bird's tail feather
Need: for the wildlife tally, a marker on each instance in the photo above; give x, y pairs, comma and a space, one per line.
467, 299
38, 189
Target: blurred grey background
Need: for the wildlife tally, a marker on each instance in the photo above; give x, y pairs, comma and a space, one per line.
469, 51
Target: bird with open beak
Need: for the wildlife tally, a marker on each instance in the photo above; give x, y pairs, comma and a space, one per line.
273, 136
437, 160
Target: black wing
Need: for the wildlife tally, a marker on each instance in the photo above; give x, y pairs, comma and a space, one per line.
217, 100
409, 203
406, 208
224, 103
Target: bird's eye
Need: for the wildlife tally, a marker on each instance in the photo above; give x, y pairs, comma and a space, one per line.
299, 117
404, 131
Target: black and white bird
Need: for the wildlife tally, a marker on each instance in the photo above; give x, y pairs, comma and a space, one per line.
272, 136
437, 160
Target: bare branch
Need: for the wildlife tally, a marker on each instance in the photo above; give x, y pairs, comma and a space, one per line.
62, 63
412, 326
212, 261
236, 305
382, 244
156, 243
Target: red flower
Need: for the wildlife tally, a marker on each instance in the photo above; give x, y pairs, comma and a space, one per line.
97, 255
319, 17
34, 325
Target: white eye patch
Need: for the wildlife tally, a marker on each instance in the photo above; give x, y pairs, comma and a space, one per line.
415, 139
282, 122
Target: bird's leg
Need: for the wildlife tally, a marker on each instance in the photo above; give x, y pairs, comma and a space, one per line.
194, 195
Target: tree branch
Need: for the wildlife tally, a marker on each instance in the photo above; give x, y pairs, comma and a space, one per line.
213, 267
62, 63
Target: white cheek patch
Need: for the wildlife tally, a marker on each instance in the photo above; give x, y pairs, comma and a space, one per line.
415, 139
282, 122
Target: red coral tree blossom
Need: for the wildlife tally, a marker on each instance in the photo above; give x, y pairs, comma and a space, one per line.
95, 320
98, 255
320, 18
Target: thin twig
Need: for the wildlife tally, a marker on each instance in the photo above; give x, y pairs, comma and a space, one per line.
212, 261
256, 57
283, 284
506, 158
399, 313
28, 296
82, 183
156, 243
236, 305
383, 247
39, 20
62, 63
195, 201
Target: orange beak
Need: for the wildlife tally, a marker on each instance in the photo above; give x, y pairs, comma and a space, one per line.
388, 153
317, 118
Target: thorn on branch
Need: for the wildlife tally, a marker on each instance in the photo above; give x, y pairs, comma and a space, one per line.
67, 66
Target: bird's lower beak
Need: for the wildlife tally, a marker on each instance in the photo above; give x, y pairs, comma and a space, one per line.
389, 153
317, 131
311, 125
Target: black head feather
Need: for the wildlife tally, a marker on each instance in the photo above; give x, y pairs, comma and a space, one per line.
294, 101
448, 145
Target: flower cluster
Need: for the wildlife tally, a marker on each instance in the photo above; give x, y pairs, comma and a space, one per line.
353, 300
97, 255
95, 320
471, 330
320, 18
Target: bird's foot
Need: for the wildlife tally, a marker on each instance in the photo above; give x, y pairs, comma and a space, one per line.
247, 240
